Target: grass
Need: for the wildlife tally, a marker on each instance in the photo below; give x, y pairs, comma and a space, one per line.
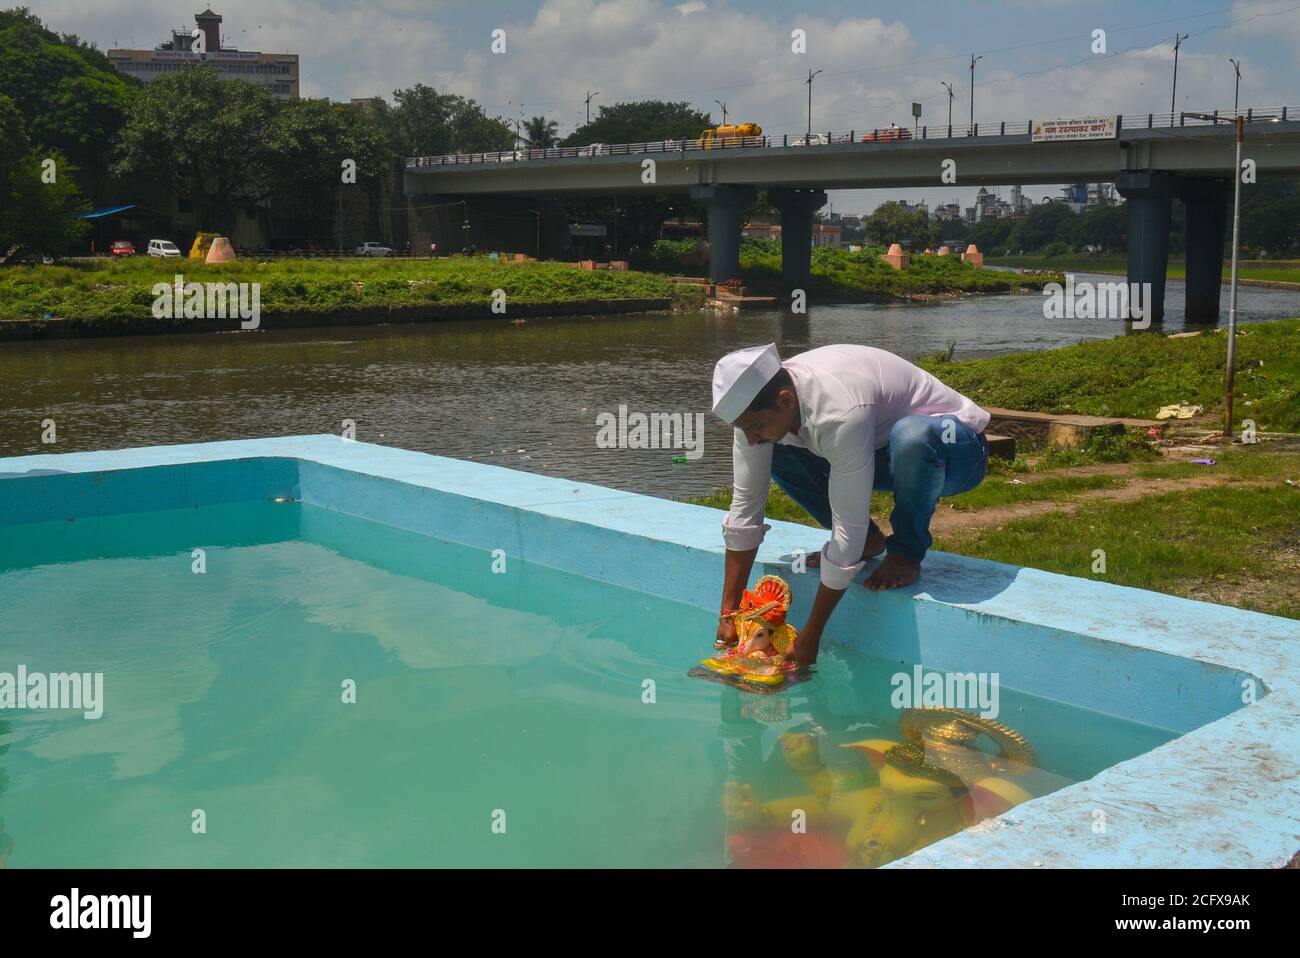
1133, 376
842, 275
110, 291
1232, 544
1283, 271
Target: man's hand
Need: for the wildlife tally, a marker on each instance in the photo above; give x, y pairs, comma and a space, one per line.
726, 633
804, 651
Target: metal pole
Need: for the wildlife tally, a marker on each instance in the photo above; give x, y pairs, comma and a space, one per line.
1236, 88
808, 140
589, 97
1178, 42
973, 58
1232, 295
724, 110
948, 87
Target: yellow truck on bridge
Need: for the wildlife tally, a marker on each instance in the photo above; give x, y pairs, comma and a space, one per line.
732, 134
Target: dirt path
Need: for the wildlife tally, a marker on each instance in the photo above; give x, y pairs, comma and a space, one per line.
948, 519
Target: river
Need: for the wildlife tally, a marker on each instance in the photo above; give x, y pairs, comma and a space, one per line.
525, 396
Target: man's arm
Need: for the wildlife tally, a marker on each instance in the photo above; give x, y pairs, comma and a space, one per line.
853, 461
743, 528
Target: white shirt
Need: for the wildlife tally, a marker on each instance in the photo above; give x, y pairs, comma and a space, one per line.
850, 397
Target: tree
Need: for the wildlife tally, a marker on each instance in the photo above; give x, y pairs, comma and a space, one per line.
541, 132
208, 139
309, 144
68, 94
36, 211
891, 222
643, 121
1045, 223
424, 122
1270, 216
1103, 227
991, 235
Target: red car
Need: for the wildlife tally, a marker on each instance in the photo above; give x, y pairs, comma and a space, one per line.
121, 248
893, 133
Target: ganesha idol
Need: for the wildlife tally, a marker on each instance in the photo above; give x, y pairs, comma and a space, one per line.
764, 637
932, 784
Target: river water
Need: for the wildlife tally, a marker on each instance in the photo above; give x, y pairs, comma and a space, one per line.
524, 396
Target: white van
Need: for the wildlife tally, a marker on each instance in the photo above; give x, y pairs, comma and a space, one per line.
163, 248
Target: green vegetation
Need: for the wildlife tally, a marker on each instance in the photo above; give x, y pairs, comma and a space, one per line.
839, 274
107, 291
1272, 270
891, 223
1270, 221
1135, 375
178, 131
38, 195
1234, 544
70, 97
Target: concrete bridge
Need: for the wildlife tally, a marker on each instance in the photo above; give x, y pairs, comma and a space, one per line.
1151, 158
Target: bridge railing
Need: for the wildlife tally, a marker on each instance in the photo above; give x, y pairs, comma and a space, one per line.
876, 137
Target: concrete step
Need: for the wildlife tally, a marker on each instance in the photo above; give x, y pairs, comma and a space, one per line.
1059, 429
1001, 447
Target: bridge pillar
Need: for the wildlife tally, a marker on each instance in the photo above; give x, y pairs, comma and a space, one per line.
726, 206
1206, 203
1148, 197
797, 208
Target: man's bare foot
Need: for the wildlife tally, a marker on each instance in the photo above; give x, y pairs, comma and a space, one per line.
894, 573
875, 545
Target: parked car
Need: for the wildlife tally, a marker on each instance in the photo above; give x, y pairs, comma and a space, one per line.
372, 248
893, 133
121, 248
163, 248
595, 149
811, 139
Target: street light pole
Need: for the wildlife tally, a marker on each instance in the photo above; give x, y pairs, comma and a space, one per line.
1173, 96
808, 141
1236, 65
973, 59
1239, 122
948, 87
722, 104
589, 98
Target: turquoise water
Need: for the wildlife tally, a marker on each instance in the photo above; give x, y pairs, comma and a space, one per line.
516, 699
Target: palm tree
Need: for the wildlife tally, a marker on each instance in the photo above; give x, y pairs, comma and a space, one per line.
541, 132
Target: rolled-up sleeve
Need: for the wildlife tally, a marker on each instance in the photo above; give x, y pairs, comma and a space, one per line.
852, 455
751, 465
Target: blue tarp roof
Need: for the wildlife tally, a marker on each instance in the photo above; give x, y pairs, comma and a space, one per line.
107, 211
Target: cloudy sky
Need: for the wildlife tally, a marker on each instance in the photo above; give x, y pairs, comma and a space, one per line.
876, 58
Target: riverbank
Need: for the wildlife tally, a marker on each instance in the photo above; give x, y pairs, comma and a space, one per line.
1275, 274
117, 298
845, 276
1223, 531
1133, 376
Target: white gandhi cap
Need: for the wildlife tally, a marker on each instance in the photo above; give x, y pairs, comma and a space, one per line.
738, 377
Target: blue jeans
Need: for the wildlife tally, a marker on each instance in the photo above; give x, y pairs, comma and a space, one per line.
917, 466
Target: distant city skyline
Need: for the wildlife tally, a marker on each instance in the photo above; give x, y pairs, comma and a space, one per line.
1038, 57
